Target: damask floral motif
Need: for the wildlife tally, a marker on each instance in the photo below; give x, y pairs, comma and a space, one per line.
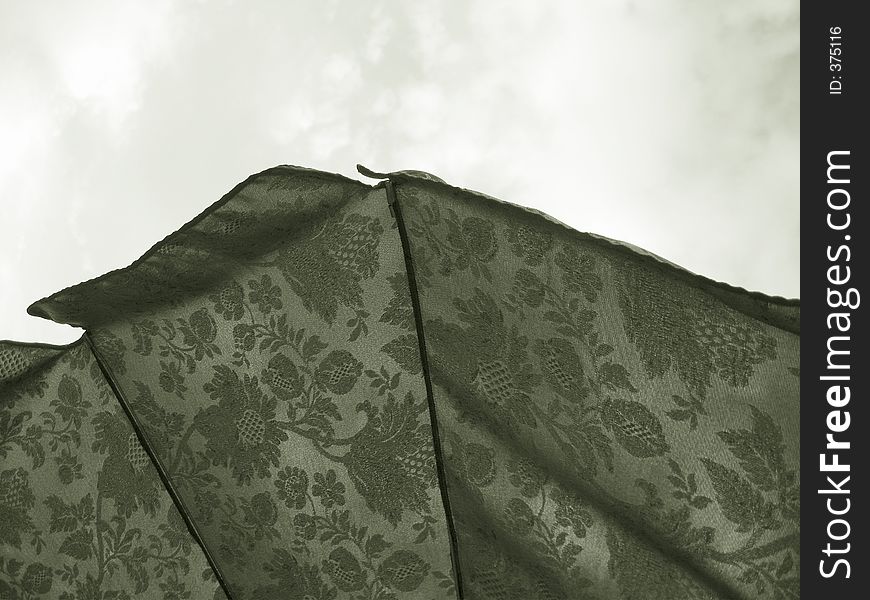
305, 526
571, 378
13, 363
527, 476
241, 430
70, 404
489, 356
260, 513
571, 512
37, 578
326, 266
389, 461
563, 369
476, 462
476, 237
635, 427
119, 538
642, 572
580, 272
338, 372
171, 379
16, 500
529, 288
264, 295
292, 484
468, 243
68, 467
283, 378
244, 337
520, 516
403, 570
293, 581
345, 570
126, 476
529, 243
695, 335
405, 351
229, 301
399, 311
328, 489
587, 407
200, 333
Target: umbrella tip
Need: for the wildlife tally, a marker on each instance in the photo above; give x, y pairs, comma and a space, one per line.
369, 173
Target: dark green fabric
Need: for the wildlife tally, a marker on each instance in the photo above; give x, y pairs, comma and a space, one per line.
83, 513
601, 424
615, 428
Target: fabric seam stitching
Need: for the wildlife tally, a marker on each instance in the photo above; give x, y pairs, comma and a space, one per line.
395, 209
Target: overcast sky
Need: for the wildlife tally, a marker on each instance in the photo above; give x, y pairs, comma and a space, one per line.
672, 125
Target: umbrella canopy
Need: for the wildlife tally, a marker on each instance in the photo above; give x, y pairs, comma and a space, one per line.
320, 388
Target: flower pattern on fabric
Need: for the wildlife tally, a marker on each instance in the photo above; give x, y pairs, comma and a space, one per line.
526, 476
85, 515
264, 295
591, 372
294, 429
261, 514
338, 372
403, 570
327, 266
292, 484
529, 243
15, 503
328, 489
390, 462
570, 512
229, 301
241, 429
611, 426
490, 355
125, 477
293, 581
477, 462
200, 333
696, 336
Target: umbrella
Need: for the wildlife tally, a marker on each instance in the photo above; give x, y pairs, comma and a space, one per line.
323, 389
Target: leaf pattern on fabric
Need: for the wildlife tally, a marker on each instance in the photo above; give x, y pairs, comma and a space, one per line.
390, 460
272, 361
695, 335
641, 572
741, 503
603, 379
325, 268
759, 450
635, 427
241, 429
609, 426
87, 516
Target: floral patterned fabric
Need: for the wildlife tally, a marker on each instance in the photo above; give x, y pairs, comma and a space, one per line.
404, 390
83, 512
615, 427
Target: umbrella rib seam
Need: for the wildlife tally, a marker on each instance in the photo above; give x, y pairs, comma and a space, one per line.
396, 211
161, 472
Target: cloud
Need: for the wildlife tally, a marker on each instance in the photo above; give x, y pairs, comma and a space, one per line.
672, 126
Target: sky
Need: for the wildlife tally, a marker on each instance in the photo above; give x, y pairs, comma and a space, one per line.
672, 125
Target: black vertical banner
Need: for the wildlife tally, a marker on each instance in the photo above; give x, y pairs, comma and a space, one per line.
835, 371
